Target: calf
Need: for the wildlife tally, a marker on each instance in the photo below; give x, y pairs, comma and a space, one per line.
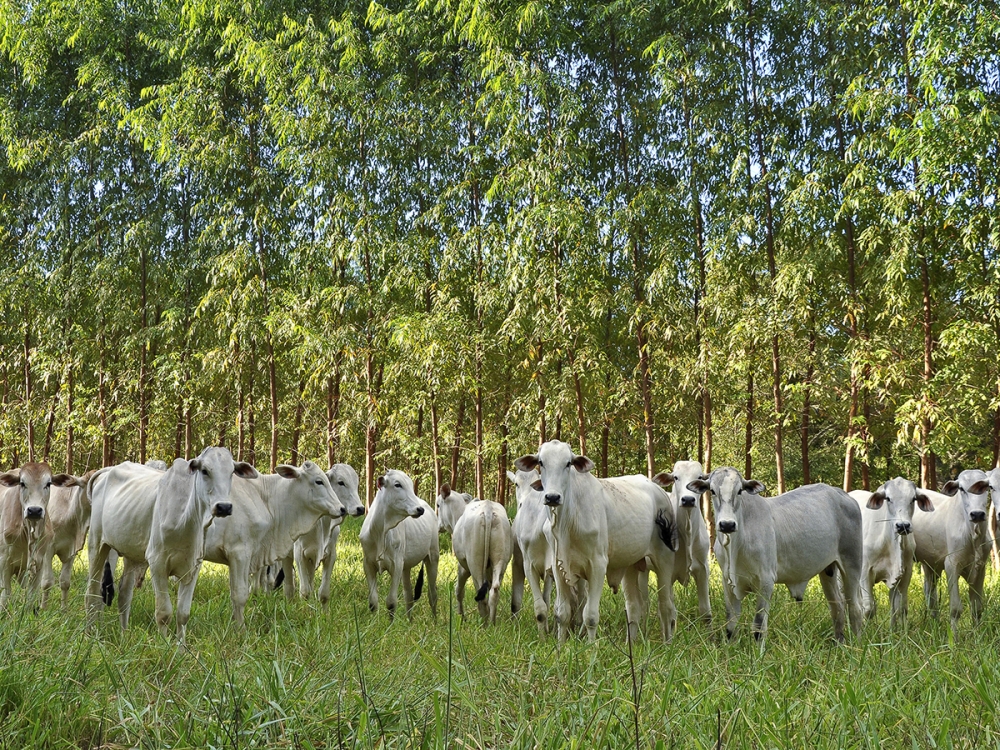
319, 544
66, 527
24, 501
887, 526
450, 507
691, 559
954, 539
533, 545
270, 512
158, 519
602, 528
786, 539
482, 545
399, 533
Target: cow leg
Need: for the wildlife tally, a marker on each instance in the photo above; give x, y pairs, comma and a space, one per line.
592, 610
518, 573
701, 579
126, 587
371, 574
161, 592
498, 572
329, 560
47, 577
930, 589
954, 598
633, 601
868, 593
395, 577
431, 562
734, 605
463, 576
642, 580
899, 596
98, 556
831, 588
65, 577
5, 576
306, 566
976, 594
563, 608
763, 608
185, 595
539, 597
239, 588
288, 585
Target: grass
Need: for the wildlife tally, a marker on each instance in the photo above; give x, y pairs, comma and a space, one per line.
301, 677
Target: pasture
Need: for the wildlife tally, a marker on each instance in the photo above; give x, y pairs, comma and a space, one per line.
299, 677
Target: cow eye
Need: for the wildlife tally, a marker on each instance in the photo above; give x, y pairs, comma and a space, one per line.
739, 491
399, 485
22, 483
48, 484
319, 481
204, 472
540, 464
341, 483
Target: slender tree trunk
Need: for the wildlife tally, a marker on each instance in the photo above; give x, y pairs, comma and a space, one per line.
69, 417
333, 414
581, 422
240, 420
435, 444
251, 421
503, 460
605, 438
646, 388
272, 379
748, 443
996, 437
865, 474
927, 469
50, 427
480, 479
806, 405
297, 424
143, 325
179, 431
188, 428
455, 451
371, 439
27, 387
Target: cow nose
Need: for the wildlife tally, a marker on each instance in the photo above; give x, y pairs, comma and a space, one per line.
553, 498
34, 512
727, 527
420, 512
222, 510
360, 511
903, 528
978, 516
343, 511
688, 501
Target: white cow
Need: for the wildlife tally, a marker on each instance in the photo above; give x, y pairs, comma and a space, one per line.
887, 526
450, 507
954, 539
319, 544
271, 511
399, 533
482, 545
158, 519
533, 546
24, 501
786, 539
605, 528
692, 534
66, 527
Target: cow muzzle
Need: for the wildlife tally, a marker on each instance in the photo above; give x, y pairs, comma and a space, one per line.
553, 498
343, 512
417, 513
903, 528
34, 513
688, 501
977, 516
359, 512
727, 527
222, 510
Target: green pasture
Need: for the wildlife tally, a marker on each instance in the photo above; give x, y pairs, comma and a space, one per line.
301, 677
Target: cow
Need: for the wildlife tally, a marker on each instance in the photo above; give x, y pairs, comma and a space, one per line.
270, 512
887, 526
24, 502
319, 544
954, 539
158, 519
533, 547
482, 543
691, 559
66, 527
450, 507
399, 533
603, 528
785, 539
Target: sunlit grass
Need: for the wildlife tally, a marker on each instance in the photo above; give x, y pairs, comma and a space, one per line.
294, 677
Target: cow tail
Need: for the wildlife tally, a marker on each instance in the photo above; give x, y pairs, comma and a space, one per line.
279, 579
668, 530
108, 585
488, 524
419, 588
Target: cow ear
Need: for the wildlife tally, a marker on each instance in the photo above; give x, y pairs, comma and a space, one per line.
245, 470
287, 471
512, 476
527, 463
537, 485
582, 464
950, 488
876, 500
194, 465
664, 479
445, 490
468, 498
979, 487
752, 485
924, 502
380, 482
699, 486
67, 480
10, 479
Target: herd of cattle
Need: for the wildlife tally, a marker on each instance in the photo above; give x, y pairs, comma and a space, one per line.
572, 531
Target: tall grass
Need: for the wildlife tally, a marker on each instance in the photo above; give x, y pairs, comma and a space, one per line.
302, 677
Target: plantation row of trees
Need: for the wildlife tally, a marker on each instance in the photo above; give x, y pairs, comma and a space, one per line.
428, 235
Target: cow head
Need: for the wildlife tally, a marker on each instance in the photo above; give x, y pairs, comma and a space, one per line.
677, 481
344, 480
34, 480
973, 489
450, 506
526, 484
213, 474
899, 496
396, 498
312, 489
555, 461
729, 489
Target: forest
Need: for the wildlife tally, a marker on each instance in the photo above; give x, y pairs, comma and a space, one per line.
429, 235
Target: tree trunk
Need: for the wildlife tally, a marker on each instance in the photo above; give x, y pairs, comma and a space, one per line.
458, 441
502, 463
143, 325
69, 417
333, 414
480, 479
581, 422
646, 389
50, 427
866, 411
810, 369
102, 403
251, 421
996, 437
927, 465
27, 388
297, 425
748, 442
435, 444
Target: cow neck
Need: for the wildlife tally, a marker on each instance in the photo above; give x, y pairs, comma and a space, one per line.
196, 508
282, 498
11, 519
379, 525
684, 516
